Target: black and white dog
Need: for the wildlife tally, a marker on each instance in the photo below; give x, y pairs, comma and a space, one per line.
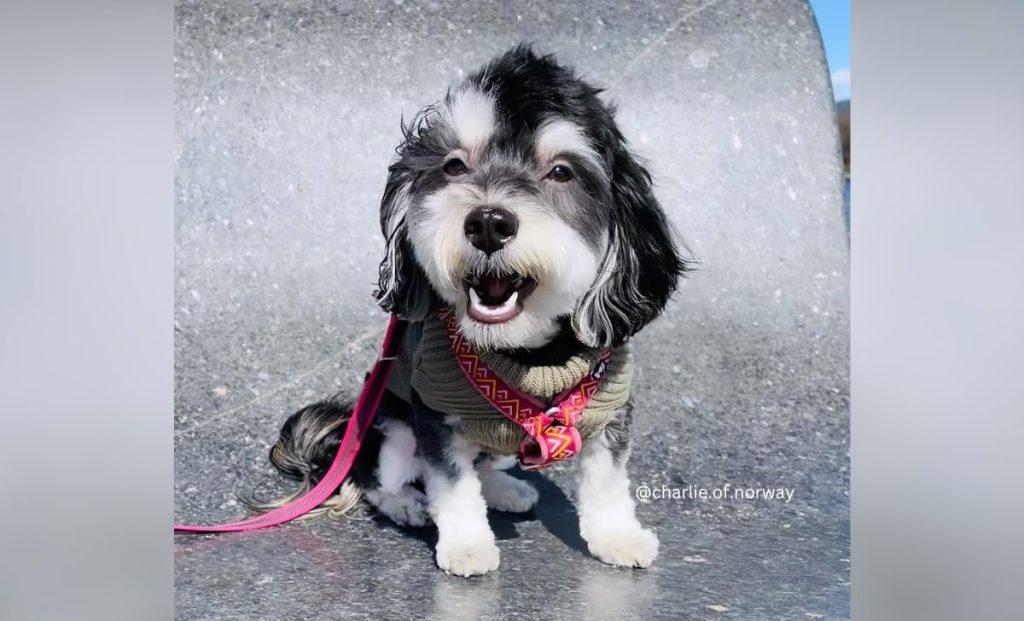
517, 202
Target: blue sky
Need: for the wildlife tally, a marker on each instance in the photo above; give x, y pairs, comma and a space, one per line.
834, 22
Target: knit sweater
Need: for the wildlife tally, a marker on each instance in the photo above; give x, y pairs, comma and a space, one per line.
427, 364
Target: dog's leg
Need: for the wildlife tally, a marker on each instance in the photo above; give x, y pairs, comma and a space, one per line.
504, 492
465, 542
397, 468
608, 520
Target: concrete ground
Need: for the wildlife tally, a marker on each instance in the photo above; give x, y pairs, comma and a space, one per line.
287, 115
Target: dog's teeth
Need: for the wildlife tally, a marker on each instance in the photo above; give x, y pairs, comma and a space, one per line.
477, 303
511, 301
474, 297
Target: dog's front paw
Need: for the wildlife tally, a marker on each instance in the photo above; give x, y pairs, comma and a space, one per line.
468, 556
504, 492
626, 547
408, 508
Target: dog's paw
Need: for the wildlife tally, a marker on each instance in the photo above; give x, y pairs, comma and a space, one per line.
406, 509
468, 556
626, 547
504, 492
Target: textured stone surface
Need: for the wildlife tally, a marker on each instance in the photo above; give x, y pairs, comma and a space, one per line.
287, 115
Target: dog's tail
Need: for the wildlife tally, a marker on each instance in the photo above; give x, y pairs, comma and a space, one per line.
304, 451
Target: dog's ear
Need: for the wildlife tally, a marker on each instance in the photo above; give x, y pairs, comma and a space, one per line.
642, 264
403, 288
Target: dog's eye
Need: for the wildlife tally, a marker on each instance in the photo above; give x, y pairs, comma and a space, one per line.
560, 174
455, 167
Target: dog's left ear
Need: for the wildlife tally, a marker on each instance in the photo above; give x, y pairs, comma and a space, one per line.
403, 288
641, 265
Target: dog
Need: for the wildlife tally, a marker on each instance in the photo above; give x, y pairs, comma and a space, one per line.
516, 203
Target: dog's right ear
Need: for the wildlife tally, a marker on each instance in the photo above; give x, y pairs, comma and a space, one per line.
403, 288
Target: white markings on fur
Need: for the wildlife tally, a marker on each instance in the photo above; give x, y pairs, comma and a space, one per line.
465, 543
439, 241
561, 261
560, 137
340, 505
552, 252
408, 507
592, 321
398, 465
307, 434
546, 248
471, 114
504, 492
608, 520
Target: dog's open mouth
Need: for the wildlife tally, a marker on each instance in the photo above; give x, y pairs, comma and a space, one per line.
497, 298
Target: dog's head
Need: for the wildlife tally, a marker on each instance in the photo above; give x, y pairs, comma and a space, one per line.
516, 201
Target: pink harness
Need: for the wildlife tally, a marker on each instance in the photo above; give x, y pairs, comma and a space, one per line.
551, 432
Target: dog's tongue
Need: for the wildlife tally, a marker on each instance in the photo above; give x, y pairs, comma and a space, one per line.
494, 299
494, 290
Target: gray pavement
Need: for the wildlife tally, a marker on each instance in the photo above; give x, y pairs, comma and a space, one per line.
286, 117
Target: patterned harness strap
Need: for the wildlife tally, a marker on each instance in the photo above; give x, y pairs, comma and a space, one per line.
551, 433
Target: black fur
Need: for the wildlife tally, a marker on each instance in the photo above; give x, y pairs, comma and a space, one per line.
648, 264
563, 346
297, 456
619, 433
528, 89
410, 297
433, 437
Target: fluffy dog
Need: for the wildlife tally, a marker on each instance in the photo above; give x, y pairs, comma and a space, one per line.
516, 202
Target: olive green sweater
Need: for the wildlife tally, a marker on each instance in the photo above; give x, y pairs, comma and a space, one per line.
429, 366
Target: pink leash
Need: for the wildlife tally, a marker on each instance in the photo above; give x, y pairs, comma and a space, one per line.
361, 421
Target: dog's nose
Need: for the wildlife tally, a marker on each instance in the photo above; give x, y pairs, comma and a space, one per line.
490, 228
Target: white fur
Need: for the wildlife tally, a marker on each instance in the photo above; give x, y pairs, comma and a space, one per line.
398, 466
471, 114
545, 248
592, 320
607, 511
395, 221
465, 543
406, 508
504, 492
560, 137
